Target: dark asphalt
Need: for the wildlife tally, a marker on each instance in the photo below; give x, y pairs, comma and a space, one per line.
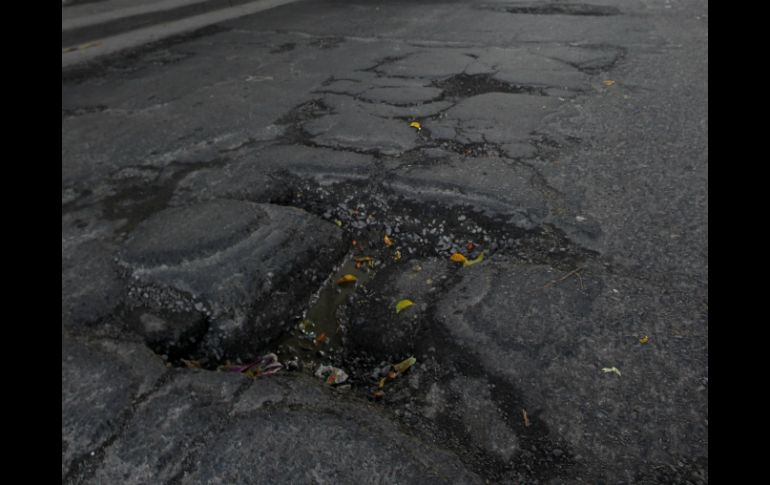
214, 184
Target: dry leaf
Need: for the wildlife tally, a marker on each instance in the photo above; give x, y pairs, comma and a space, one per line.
338, 222
191, 364
644, 339
388, 241
381, 384
416, 125
526, 418
319, 340
458, 258
348, 278
379, 394
404, 365
397, 255
403, 304
609, 82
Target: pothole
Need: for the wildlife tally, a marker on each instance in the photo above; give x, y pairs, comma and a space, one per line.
467, 85
381, 227
368, 210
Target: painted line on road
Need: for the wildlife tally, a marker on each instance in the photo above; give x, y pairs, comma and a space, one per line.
101, 17
111, 45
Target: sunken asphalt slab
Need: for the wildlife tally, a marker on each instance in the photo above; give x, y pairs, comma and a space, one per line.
213, 183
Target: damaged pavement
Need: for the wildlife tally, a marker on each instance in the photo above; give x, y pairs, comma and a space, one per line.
279, 183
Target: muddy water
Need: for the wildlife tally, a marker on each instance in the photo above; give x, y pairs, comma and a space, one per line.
316, 338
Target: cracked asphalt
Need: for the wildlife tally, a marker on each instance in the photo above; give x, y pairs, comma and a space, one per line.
215, 186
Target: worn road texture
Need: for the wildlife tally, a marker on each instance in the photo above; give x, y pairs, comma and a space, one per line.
215, 186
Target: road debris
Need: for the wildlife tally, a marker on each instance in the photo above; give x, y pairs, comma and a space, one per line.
401, 305
460, 258
319, 339
644, 339
416, 125
266, 365
348, 278
402, 366
331, 375
191, 364
607, 370
526, 418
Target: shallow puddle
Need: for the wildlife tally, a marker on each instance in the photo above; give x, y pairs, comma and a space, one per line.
316, 338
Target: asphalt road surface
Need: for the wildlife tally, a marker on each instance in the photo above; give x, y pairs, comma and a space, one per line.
532, 177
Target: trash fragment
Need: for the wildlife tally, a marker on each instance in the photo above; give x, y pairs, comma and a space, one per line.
609, 82
332, 375
470, 247
364, 259
403, 304
644, 339
397, 255
266, 365
348, 278
402, 366
526, 418
607, 370
388, 241
416, 125
319, 340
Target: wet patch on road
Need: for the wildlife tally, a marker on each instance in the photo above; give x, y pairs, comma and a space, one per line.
580, 9
466, 85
